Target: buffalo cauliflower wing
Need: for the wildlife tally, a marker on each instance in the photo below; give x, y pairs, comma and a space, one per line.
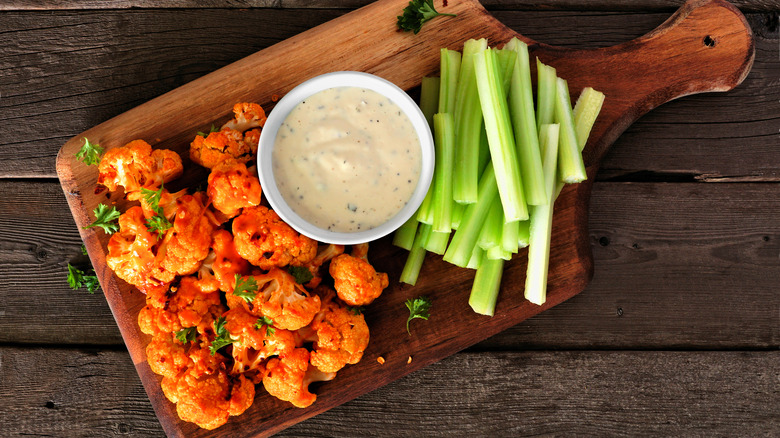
135, 166
132, 253
231, 187
262, 238
254, 340
187, 243
246, 115
357, 283
219, 146
288, 378
181, 307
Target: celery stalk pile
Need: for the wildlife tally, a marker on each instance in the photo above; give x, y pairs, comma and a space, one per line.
501, 161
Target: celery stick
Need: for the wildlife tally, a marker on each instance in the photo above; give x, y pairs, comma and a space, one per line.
541, 222
441, 203
449, 71
457, 214
498, 253
506, 64
571, 168
523, 233
487, 282
436, 242
476, 258
500, 137
510, 236
404, 236
414, 260
545, 95
490, 235
465, 239
429, 104
468, 123
521, 110
586, 110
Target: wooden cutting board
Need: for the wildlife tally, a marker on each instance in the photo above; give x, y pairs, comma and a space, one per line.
705, 46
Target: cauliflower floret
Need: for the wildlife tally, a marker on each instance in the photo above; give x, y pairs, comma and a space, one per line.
208, 400
254, 342
232, 187
135, 166
218, 146
228, 262
187, 243
281, 298
166, 356
182, 307
263, 239
132, 253
357, 283
168, 203
324, 254
340, 334
246, 116
288, 377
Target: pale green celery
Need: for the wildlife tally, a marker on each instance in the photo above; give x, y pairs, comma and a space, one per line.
404, 235
571, 168
500, 137
521, 110
429, 104
490, 235
523, 233
506, 64
414, 260
449, 71
497, 252
468, 123
441, 203
457, 214
465, 239
484, 149
541, 222
586, 110
545, 94
487, 283
476, 258
510, 236
437, 242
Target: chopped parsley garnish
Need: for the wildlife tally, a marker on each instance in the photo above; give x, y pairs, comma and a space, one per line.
301, 274
157, 223
78, 279
105, 218
213, 129
187, 334
418, 308
223, 336
89, 153
417, 13
267, 323
356, 310
246, 288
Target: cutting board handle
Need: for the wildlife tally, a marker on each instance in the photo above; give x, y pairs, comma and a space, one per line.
707, 45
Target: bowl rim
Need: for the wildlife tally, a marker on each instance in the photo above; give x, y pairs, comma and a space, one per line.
333, 80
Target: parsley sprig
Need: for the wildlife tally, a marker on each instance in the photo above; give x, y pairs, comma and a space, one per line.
301, 274
417, 13
223, 336
89, 153
105, 218
267, 323
78, 279
187, 334
206, 134
245, 288
419, 307
157, 223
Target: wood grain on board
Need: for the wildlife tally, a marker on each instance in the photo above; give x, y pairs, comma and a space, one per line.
671, 61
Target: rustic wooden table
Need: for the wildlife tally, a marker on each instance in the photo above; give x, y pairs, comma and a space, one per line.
677, 334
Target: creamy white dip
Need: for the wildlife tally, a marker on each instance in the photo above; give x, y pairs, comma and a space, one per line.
346, 159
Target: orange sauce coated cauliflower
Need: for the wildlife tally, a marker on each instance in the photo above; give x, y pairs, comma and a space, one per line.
262, 238
186, 306
340, 334
288, 378
357, 283
135, 166
131, 253
219, 146
246, 116
232, 187
254, 343
187, 244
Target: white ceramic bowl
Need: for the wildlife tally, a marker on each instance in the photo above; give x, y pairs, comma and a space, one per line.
324, 82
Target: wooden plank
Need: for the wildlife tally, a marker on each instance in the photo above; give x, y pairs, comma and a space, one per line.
703, 274
596, 393
605, 5
84, 67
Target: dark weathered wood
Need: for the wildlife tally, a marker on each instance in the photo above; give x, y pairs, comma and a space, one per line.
702, 276
84, 67
592, 393
607, 5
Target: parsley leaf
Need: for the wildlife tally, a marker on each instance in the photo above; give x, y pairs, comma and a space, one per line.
418, 308
223, 336
301, 274
246, 288
203, 134
187, 334
356, 310
78, 279
84, 249
267, 323
417, 13
158, 223
105, 218
89, 153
